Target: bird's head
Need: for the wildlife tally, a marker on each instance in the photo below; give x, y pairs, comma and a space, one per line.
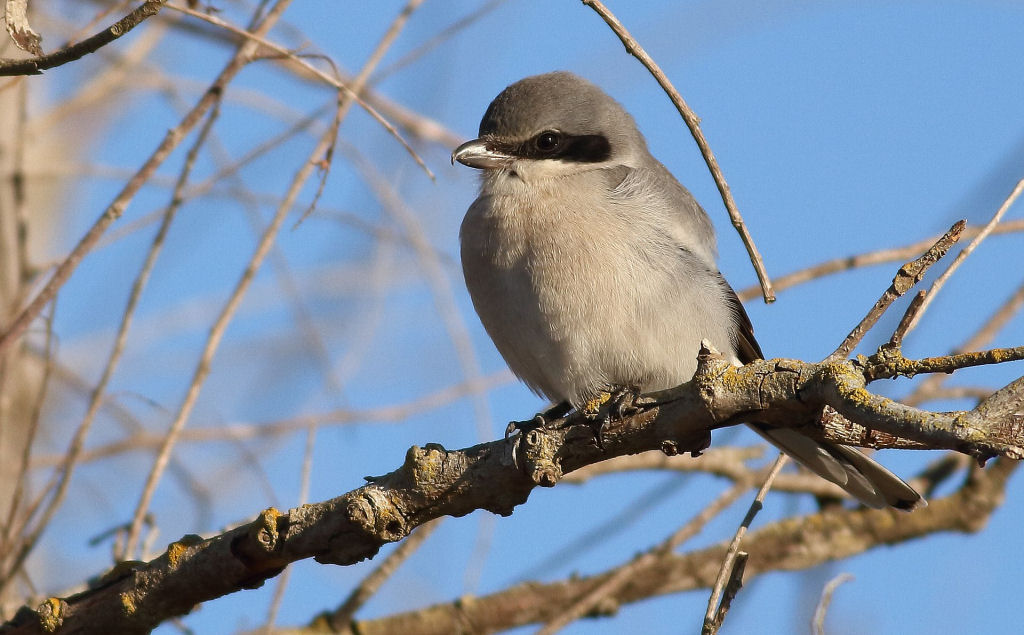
551, 126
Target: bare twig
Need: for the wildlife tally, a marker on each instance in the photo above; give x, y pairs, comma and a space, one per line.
36, 65
995, 323
889, 363
340, 618
818, 622
67, 467
693, 123
964, 253
868, 259
613, 583
907, 276
445, 34
350, 91
916, 305
438, 282
142, 441
11, 558
13, 331
726, 462
212, 344
321, 150
731, 572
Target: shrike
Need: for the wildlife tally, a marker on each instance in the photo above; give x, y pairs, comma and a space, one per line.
592, 268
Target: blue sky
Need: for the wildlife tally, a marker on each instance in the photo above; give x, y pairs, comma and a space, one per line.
841, 128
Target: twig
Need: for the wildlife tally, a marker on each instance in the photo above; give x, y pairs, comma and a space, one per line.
351, 92
731, 572
143, 441
73, 454
726, 462
340, 618
995, 323
977, 393
36, 65
342, 110
891, 363
355, 91
907, 276
63, 272
321, 150
437, 280
916, 305
614, 582
212, 344
622, 522
693, 123
11, 558
868, 259
444, 35
964, 253
818, 623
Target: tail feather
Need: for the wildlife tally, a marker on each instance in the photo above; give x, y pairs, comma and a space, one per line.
861, 476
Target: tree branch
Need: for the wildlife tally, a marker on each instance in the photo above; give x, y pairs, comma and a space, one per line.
499, 475
792, 544
36, 65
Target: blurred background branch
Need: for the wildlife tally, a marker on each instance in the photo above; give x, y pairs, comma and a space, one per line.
356, 340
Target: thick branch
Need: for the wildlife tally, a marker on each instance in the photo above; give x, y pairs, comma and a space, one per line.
500, 475
788, 545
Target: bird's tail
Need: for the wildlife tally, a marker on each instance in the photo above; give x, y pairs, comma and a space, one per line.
862, 477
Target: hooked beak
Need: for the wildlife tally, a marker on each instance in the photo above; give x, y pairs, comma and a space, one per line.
476, 154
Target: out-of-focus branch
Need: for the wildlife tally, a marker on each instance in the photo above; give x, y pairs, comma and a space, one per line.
12, 332
870, 259
788, 545
726, 462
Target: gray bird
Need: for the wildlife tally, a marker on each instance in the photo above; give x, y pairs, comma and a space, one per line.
592, 268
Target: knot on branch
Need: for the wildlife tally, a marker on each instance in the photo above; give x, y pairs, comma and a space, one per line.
258, 548
374, 512
178, 550
711, 366
51, 614
264, 531
425, 466
537, 457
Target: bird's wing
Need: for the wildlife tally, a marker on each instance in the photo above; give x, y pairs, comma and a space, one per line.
860, 475
747, 348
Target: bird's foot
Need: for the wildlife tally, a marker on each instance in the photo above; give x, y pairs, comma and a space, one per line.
623, 402
617, 403
542, 420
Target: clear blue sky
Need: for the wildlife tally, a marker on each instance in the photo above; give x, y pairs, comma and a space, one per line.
841, 128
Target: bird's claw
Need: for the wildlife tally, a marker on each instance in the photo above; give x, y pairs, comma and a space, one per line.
544, 419
616, 404
522, 427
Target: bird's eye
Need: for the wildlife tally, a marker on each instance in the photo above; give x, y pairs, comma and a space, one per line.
548, 141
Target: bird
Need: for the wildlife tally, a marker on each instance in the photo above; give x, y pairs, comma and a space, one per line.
592, 268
